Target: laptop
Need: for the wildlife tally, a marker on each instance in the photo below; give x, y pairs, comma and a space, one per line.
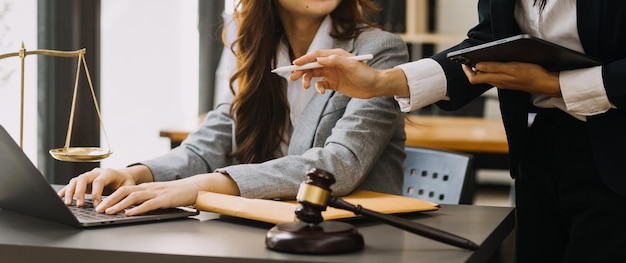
24, 189
524, 48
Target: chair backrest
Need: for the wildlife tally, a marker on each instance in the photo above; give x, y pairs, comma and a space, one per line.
440, 176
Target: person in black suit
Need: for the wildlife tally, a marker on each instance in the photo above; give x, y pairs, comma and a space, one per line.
566, 130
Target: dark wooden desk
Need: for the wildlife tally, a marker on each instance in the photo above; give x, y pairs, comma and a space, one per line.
481, 137
211, 238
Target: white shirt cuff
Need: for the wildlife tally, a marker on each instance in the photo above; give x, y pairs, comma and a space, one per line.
427, 84
583, 91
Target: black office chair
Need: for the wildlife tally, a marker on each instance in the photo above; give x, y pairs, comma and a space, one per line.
443, 177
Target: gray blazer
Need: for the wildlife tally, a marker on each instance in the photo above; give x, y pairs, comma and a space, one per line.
360, 141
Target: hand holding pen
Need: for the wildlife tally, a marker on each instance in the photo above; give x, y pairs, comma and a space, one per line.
314, 65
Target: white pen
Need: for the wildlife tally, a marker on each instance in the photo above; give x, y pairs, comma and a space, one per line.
313, 65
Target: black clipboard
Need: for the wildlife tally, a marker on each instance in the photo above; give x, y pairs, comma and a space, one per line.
525, 48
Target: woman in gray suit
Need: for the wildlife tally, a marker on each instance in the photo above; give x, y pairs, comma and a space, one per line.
261, 144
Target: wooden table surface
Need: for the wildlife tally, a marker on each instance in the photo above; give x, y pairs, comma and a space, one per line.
465, 134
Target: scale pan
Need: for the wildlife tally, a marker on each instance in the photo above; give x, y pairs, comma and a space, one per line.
80, 154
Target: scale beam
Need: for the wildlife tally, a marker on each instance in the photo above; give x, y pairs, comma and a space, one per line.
67, 153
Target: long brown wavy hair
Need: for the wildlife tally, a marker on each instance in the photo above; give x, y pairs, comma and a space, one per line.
542, 4
260, 108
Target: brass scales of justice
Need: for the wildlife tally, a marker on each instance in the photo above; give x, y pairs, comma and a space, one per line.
67, 153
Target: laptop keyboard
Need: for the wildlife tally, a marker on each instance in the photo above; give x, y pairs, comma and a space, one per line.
88, 213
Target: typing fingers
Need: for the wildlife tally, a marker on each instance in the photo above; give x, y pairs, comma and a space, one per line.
81, 188
77, 187
105, 178
67, 192
133, 200
118, 200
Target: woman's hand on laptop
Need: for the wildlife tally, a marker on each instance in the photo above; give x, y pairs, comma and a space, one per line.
135, 197
141, 198
101, 181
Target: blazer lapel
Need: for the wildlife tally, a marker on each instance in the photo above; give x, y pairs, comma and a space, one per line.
503, 22
513, 104
588, 13
306, 127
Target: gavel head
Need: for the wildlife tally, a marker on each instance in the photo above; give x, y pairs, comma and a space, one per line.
313, 196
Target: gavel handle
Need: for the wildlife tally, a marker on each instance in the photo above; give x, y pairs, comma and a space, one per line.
411, 226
